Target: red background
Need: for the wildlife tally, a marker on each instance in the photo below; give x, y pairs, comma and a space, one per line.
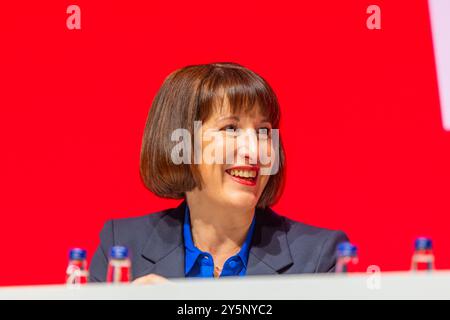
361, 120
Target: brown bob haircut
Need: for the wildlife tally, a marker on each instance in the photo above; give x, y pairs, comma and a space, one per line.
190, 94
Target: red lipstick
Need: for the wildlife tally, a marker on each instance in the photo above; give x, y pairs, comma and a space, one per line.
248, 181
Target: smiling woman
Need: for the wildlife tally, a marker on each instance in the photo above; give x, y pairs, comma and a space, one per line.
224, 226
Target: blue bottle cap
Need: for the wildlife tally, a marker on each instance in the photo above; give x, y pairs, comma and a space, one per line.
77, 254
423, 243
346, 249
119, 252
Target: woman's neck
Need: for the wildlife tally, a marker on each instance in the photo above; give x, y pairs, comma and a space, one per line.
218, 230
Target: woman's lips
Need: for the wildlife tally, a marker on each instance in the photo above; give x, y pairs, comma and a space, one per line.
244, 181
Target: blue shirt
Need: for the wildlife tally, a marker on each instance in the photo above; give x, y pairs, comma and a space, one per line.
198, 263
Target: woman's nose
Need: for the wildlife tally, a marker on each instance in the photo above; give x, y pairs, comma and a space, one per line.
247, 145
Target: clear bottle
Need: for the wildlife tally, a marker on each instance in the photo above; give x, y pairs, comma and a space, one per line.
77, 271
347, 257
119, 266
423, 256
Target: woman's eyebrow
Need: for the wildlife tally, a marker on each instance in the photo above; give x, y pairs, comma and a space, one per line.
227, 117
237, 119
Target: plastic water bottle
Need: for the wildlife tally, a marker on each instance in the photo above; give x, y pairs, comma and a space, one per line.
77, 271
119, 267
347, 257
423, 257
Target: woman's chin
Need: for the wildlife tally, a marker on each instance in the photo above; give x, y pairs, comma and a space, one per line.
242, 199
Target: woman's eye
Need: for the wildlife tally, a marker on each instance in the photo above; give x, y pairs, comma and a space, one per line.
264, 132
230, 127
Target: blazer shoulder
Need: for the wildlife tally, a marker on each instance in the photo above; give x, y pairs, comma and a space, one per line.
313, 244
130, 229
130, 232
295, 229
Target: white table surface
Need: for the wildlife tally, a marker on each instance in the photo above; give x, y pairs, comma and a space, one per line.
386, 285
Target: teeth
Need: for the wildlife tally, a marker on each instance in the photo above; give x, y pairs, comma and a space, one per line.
243, 173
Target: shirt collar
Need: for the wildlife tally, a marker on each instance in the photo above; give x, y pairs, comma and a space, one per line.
192, 252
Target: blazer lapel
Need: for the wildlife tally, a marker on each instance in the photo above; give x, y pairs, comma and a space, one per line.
269, 253
165, 247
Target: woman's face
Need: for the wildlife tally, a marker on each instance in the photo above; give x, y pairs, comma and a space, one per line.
236, 140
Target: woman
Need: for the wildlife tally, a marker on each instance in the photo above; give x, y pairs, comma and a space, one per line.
224, 226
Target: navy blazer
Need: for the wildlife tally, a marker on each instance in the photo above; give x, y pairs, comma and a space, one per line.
279, 245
